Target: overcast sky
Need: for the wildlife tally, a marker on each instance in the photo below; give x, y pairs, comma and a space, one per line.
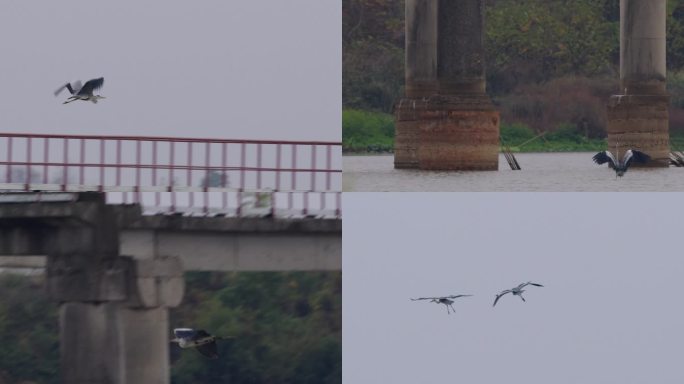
258, 69
610, 311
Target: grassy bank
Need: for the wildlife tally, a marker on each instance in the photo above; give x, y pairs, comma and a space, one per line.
367, 132
521, 138
372, 132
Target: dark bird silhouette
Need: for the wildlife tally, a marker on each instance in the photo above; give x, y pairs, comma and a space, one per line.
621, 167
517, 291
446, 300
84, 92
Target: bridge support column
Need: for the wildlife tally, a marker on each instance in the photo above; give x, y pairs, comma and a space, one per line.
446, 121
122, 339
638, 116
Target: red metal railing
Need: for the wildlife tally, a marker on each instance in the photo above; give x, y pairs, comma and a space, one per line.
164, 172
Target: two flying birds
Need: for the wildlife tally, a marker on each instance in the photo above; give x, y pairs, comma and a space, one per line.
448, 300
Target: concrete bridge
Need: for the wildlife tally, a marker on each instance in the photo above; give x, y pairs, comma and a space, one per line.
447, 121
115, 272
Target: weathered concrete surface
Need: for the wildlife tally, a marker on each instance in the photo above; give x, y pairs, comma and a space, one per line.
145, 339
113, 304
23, 261
109, 343
157, 282
460, 61
421, 48
233, 244
445, 121
216, 251
448, 132
638, 116
640, 122
91, 350
643, 46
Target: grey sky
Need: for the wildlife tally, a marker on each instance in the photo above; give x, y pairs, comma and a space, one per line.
258, 69
609, 312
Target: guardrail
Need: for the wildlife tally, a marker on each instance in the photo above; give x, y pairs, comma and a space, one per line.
180, 174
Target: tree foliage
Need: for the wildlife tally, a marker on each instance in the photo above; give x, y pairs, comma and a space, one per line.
372, 53
531, 45
533, 41
284, 328
29, 332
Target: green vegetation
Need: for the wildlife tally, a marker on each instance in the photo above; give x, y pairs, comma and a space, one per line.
29, 332
521, 138
551, 64
285, 328
364, 131
373, 132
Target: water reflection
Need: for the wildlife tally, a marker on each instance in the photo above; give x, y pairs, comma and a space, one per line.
540, 172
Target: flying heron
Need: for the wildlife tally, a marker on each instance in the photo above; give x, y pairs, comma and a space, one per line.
84, 92
446, 300
517, 291
620, 167
199, 339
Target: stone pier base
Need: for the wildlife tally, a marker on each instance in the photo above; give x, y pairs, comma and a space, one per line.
640, 122
455, 132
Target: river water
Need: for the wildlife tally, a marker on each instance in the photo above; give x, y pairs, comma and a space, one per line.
540, 172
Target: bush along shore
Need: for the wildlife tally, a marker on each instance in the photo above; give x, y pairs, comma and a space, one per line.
365, 132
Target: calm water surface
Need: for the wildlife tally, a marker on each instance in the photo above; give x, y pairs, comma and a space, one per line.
540, 172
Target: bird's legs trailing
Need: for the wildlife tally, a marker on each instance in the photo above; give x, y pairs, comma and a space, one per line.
453, 309
69, 100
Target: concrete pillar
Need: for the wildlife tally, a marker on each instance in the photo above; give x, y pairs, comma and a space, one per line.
109, 343
446, 121
91, 350
638, 115
145, 338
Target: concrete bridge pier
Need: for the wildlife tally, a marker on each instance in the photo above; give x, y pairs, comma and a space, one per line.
121, 336
638, 116
113, 309
446, 121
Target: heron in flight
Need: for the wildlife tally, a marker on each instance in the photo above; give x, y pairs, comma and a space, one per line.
84, 92
620, 167
517, 291
446, 300
198, 339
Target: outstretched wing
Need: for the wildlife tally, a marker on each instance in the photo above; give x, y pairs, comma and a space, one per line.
90, 86
427, 298
208, 350
634, 155
456, 296
499, 296
73, 88
605, 157
200, 334
523, 285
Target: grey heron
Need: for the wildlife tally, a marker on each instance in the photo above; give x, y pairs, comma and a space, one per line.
620, 167
84, 92
446, 300
198, 339
517, 291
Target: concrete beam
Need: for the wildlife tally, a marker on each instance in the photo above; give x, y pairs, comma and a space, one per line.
221, 251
